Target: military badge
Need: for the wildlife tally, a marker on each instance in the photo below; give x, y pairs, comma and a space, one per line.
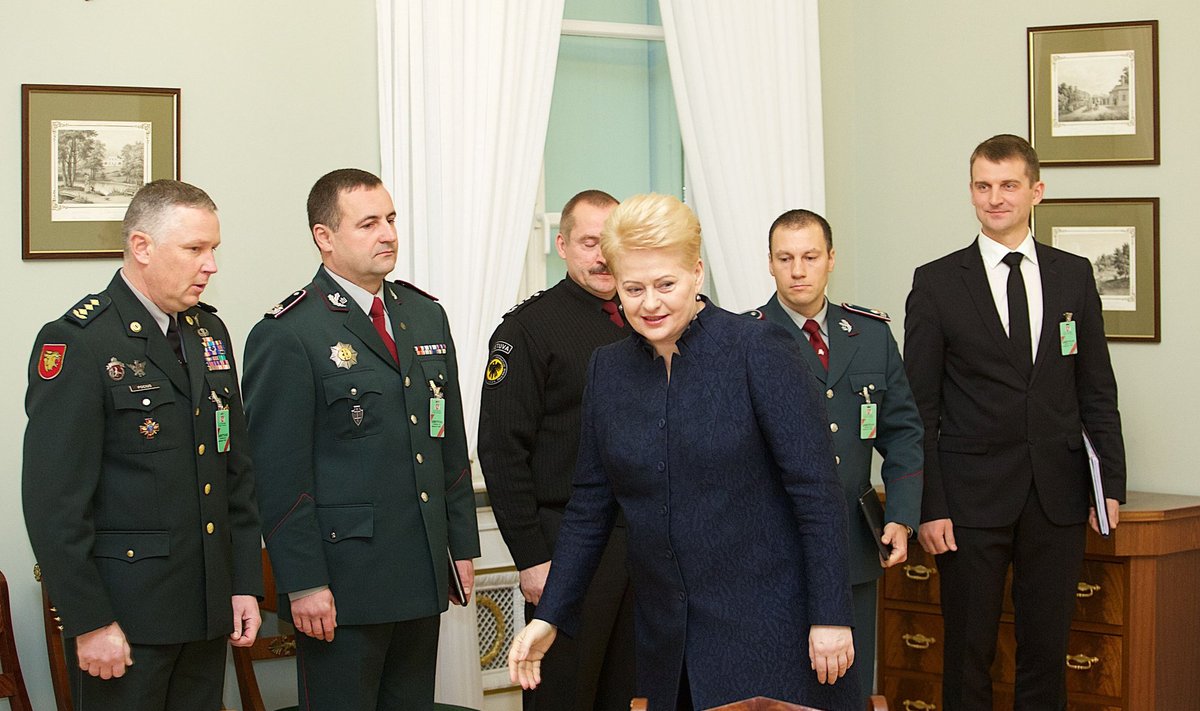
214, 353
149, 428
343, 355
431, 349
202, 332
50, 361
139, 368
115, 368
338, 300
356, 414
497, 369
845, 325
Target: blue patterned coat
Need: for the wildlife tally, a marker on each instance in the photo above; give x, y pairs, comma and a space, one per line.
737, 527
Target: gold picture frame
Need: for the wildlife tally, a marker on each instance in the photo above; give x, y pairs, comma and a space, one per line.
1119, 236
1093, 93
84, 151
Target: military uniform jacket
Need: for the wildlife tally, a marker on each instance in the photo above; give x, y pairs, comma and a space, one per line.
134, 513
354, 491
863, 354
529, 414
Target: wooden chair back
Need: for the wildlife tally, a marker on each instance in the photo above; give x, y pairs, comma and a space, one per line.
56, 651
12, 683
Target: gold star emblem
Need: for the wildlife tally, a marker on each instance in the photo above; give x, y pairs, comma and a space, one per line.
343, 355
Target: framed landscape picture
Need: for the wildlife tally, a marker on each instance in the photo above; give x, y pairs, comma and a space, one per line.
1093, 93
1119, 236
85, 150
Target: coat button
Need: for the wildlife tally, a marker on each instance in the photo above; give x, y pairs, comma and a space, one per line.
145, 401
412, 419
682, 596
424, 497
353, 391
407, 382
210, 527
129, 553
837, 459
403, 326
420, 458
662, 423
833, 427
333, 535
207, 489
871, 386
662, 466
200, 450
829, 393
197, 412
670, 554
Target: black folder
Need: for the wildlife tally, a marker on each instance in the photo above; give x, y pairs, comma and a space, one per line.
872, 510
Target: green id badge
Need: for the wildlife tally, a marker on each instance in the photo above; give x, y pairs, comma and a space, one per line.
1067, 338
437, 417
867, 414
223, 430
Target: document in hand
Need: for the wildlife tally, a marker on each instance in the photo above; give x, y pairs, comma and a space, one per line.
1097, 486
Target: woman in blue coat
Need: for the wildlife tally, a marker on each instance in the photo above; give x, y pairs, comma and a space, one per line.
706, 430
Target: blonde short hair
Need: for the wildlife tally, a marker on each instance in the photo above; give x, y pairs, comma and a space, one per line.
651, 221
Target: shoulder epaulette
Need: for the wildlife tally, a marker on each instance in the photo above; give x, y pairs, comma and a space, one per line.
528, 300
281, 308
87, 309
864, 311
419, 290
207, 307
755, 314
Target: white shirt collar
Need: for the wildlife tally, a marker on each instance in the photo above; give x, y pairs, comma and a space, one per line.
162, 318
993, 252
361, 296
799, 318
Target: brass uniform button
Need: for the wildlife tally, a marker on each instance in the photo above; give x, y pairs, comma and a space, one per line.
129, 553
424, 497
135, 327
871, 386
829, 394
207, 489
188, 319
353, 391
210, 527
145, 401
403, 326
833, 427
333, 535
413, 419
420, 458
837, 459
197, 412
200, 450
407, 382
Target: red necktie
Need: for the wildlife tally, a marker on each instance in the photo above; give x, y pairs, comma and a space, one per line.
377, 318
613, 314
818, 344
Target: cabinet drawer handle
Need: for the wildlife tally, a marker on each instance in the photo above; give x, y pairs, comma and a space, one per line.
910, 705
1086, 589
918, 572
1081, 662
918, 641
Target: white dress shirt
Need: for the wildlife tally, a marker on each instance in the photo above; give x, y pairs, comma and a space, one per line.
993, 254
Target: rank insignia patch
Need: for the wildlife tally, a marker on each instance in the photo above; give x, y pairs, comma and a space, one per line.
149, 428
214, 353
50, 360
343, 355
497, 368
431, 349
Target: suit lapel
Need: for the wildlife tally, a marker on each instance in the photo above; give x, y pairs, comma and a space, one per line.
140, 324
404, 343
775, 313
194, 352
841, 346
1053, 306
357, 322
976, 281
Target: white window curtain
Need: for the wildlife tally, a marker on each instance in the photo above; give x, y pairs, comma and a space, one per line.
747, 81
464, 100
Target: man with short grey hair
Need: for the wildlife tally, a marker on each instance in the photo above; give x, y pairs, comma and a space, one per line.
137, 483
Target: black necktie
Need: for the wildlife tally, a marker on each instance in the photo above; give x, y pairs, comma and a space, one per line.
173, 338
1018, 312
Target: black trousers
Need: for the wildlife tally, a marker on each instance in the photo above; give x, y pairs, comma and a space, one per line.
1046, 559
164, 677
382, 667
594, 672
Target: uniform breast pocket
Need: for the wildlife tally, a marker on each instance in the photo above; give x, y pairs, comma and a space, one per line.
354, 403
874, 384
146, 418
434, 371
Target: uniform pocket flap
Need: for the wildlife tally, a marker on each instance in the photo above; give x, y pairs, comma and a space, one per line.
341, 522
434, 370
131, 546
873, 382
351, 386
962, 445
142, 396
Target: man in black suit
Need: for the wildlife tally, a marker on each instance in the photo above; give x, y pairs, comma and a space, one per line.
1006, 354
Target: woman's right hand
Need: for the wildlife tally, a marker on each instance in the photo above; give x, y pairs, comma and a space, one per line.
525, 654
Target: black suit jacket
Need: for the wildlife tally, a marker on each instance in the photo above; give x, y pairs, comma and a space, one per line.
989, 432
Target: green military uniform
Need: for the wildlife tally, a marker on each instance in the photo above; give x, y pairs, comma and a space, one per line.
863, 355
356, 492
135, 510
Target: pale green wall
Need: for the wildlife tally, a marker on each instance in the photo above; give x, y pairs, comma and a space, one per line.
911, 87
274, 94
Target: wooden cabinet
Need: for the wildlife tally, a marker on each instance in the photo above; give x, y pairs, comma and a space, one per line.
1133, 644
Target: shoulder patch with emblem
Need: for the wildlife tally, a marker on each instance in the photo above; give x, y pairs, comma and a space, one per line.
88, 308
207, 307
50, 360
282, 307
755, 314
528, 300
868, 312
497, 369
417, 289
